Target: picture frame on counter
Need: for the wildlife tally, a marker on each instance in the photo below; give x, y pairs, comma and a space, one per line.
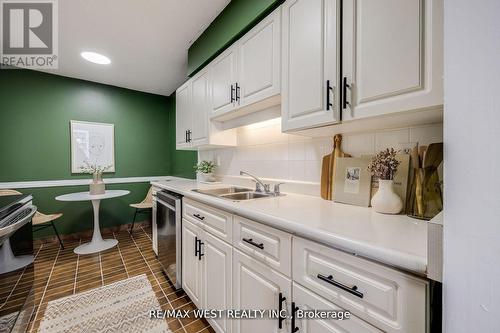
352, 181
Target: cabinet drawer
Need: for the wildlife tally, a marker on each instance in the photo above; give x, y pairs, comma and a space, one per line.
213, 220
307, 300
264, 243
388, 299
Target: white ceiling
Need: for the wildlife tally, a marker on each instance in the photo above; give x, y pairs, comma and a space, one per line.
147, 40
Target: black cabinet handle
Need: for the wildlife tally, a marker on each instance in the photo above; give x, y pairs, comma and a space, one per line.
232, 94
237, 92
281, 299
200, 243
329, 279
294, 310
199, 217
251, 242
329, 89
196, 240
189, 135
186, 136
345, 103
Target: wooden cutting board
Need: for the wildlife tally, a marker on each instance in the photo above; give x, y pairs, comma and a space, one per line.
328, 168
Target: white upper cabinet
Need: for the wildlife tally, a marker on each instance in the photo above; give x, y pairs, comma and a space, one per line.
392, 56
310, 63
193, 127
199, 108
183, 114
223, 82
259, 61
246, 77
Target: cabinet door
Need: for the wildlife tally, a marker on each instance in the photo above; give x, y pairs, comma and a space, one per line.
199, 108
310, 63
183, 118
307, 300
191, 265
256, 286
223, 80
392, 56
217, 279
259, 61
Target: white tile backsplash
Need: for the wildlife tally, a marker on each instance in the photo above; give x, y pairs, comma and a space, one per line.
265, 151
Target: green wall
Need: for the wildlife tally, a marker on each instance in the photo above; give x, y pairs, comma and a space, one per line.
236, 19
35, 110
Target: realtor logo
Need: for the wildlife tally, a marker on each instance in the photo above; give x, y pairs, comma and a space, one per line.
29, 34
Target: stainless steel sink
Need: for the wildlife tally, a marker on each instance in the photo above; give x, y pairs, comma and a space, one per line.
223, 190
234, 193
245, 196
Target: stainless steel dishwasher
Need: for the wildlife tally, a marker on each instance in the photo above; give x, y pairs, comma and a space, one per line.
168, 218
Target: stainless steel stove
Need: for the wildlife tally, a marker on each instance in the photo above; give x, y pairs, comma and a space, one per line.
16, 262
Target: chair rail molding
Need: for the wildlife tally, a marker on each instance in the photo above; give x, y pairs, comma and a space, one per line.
79, 182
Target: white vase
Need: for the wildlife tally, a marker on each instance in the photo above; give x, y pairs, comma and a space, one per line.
207, 177
386, 201
97, 186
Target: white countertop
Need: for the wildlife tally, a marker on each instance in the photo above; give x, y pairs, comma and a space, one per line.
395, 240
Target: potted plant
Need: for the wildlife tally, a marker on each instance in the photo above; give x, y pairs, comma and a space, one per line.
206, 170
97, 186
384, 165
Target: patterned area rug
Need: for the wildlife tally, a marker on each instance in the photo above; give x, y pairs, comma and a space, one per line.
121, 307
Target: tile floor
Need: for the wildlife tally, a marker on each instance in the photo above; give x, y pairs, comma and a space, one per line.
60, 273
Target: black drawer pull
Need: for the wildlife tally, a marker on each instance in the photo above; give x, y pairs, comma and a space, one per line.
329, 89
199, 217
294, 310
281, 299
353, 290
251, 242
196, 240
344, 93
200, 254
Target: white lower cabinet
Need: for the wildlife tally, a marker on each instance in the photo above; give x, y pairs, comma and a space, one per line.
191, 263
253, 273
206, 272
305, 300
257, 286
217, 279
391, 300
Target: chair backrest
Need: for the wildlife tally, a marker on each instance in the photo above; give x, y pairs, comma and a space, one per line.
149, 196
9, 192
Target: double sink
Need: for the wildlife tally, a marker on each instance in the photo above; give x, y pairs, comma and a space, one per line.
235, 193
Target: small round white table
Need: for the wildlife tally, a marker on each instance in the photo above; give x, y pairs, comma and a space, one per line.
97, 244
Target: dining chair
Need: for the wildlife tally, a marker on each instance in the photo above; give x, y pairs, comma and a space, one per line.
142, 207
40, 220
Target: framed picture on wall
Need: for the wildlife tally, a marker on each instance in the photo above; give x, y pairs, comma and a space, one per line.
92, 144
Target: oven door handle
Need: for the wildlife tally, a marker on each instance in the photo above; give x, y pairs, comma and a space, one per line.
10, 229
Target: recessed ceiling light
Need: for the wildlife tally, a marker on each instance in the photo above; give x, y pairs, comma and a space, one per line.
96, 58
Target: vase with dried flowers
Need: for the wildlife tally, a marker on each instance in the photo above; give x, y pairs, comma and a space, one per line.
384, 165
97, 186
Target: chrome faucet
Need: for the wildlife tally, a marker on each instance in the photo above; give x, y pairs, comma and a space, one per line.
259, 185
